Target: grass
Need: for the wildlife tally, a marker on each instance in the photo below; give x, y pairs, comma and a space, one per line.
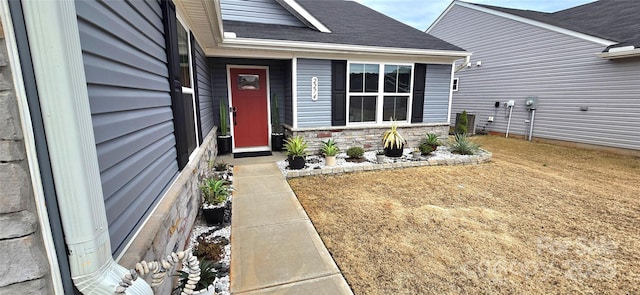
538, 219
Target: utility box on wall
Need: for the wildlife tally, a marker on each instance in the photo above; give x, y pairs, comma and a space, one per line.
471, 122
531, 102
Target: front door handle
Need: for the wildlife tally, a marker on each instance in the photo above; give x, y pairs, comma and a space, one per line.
235, 115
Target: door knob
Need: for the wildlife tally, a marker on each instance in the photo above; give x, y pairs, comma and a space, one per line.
235, 115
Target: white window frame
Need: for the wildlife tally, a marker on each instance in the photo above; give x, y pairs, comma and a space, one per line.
189, 90
455, 84
380, 94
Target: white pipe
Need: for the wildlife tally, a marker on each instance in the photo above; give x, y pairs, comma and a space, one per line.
533, 116
56, 53
509, 123
467, 60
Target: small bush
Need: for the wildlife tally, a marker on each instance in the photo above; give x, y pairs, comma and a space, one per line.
355, 152
463, 146
425, 149
461, 124
221, 166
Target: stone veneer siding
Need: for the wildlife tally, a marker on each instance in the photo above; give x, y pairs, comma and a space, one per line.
169, 226
367, 138
25, 265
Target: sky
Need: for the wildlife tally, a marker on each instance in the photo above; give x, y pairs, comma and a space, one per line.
422, 13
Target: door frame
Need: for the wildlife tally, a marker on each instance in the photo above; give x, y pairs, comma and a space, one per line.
230, 104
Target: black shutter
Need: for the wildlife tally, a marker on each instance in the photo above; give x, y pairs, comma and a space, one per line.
418, 92
196, 95
173, 65
339, 93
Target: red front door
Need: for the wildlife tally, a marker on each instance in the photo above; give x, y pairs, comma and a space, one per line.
250, 102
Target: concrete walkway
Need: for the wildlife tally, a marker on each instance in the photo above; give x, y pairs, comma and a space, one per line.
274, 247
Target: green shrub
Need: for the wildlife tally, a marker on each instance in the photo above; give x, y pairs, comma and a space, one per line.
355, 152
463, 146
431, 140
461, 123
425, 149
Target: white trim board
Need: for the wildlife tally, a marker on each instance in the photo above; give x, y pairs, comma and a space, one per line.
303, 15
525, 20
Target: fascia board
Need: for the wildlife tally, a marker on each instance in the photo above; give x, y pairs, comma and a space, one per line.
303, 15
440, 17
298, 46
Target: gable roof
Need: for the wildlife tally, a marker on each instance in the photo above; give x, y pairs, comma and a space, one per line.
614, 20
350, 23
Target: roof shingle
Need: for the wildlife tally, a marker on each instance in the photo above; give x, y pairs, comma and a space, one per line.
350, 23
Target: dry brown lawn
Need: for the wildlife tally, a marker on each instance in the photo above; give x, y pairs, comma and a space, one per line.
538, 219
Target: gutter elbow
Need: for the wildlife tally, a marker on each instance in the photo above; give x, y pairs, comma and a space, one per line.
466, 61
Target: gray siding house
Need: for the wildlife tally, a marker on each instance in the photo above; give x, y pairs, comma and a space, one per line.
582, 64
109, 112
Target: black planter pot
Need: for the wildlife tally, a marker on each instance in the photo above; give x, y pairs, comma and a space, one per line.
224, 144
393, 151
214, 215
277, 140
296, 162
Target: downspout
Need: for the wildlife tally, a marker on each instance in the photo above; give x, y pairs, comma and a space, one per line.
467, 60
57, 60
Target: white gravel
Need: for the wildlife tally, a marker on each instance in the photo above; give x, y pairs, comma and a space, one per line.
318, 162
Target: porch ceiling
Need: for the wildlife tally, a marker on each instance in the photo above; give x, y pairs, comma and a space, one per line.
203, 18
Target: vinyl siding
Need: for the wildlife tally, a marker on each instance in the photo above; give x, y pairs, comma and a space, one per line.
277, 80
436, 93
258, 11
205, 94
125, 66
314, 113
564, 72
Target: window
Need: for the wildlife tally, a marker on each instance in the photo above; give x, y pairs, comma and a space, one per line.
454, 86
186, 79
375, 98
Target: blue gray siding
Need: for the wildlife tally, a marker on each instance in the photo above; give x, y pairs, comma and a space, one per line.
125, 65
520, 60
205, 94
258, 11
314, 113
277, 80
436, 93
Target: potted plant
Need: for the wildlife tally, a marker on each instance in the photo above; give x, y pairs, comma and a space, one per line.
416, 153
330, 150
215, 192
380, 156
277, 136
224, 139
204, 286
431, 140
355, 154
393, 142
296, 150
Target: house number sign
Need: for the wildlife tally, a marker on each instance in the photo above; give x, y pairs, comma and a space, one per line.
314, 88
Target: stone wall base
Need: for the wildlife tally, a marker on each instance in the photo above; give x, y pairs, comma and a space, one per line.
367, 138
169, 227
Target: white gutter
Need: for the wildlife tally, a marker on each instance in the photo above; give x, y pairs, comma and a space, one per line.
620, 52
300, 46
57, 61
464, 64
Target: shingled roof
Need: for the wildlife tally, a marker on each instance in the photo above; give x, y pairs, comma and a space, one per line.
350, 23
615, 20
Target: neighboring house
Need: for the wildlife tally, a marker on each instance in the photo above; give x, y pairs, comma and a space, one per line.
111, 106
581, 63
